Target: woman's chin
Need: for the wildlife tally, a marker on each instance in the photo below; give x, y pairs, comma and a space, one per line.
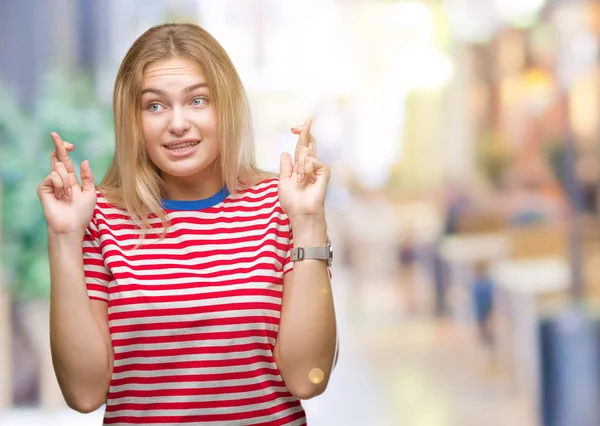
183, 170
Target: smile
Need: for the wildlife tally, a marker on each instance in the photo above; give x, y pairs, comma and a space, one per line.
182, 147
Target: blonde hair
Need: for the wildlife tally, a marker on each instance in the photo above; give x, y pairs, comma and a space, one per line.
132, 182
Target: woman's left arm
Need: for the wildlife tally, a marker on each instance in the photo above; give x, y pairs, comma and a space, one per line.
305, 351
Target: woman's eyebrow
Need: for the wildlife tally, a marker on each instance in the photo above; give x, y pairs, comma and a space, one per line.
186, 90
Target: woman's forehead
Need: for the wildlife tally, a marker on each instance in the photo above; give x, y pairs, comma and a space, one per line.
173, 71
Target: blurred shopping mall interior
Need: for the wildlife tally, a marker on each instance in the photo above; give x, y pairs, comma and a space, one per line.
464, 142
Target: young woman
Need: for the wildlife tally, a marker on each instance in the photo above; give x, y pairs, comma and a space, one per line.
201, 294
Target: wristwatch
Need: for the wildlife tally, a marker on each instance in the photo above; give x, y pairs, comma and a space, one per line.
319, 253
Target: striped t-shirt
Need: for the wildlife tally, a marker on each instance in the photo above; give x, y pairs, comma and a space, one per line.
194, 317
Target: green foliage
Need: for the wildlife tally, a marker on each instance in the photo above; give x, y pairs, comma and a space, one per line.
69, 106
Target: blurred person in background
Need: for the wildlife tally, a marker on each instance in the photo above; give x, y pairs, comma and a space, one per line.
456, 205
190, 300
407, 260
482, 293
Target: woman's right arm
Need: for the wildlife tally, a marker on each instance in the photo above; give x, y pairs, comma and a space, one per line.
79, 337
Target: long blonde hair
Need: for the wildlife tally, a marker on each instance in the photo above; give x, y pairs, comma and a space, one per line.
132, 182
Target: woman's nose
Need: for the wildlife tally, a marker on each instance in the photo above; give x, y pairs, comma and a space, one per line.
179, 123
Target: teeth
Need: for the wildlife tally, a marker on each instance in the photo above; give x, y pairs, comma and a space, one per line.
182, 147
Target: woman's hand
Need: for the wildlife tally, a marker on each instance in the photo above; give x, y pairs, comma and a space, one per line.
68, 205
303, 182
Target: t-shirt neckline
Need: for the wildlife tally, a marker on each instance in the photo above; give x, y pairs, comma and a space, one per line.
202, 204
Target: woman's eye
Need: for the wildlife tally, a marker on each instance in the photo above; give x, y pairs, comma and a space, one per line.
199, 101
153, 107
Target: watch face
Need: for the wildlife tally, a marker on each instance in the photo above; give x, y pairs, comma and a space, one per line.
330, 261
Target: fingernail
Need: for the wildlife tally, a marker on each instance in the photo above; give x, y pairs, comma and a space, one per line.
70, 145
70, 191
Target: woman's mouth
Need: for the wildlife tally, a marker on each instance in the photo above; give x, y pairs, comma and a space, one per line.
182, 146
182, 149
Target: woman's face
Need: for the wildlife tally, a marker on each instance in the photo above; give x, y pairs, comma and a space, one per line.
178, 120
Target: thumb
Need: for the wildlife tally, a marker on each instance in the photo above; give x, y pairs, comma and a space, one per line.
87, 177
285, 166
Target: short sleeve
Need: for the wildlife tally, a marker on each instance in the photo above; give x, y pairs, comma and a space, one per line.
97, 276
288, 265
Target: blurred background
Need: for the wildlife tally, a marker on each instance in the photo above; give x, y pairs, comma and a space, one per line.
464, 139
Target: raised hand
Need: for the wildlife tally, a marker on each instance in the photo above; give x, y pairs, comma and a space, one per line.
303, 181
68, 205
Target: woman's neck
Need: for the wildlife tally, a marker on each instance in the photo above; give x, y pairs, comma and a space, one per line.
196, 187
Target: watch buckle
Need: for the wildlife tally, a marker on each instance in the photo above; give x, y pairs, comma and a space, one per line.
297, 254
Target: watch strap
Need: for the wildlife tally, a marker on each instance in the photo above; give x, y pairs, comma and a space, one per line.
301, 253
318, 253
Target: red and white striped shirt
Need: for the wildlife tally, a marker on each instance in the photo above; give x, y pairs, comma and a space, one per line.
194, 317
